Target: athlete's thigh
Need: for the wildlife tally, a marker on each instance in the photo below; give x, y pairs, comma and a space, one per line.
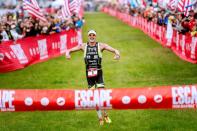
99, 80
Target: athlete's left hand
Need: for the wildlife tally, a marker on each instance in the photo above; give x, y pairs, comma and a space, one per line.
117, 55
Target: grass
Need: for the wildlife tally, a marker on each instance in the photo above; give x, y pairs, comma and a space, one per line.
143, 63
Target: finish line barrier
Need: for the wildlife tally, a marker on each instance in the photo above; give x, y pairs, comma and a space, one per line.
165, 97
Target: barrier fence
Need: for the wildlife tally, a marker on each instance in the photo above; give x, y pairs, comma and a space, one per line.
31, 50
183, 46
166, 97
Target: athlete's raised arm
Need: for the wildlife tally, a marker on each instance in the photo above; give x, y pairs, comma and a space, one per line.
105, 46
77, 48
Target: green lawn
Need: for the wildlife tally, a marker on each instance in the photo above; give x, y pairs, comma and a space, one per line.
143, 63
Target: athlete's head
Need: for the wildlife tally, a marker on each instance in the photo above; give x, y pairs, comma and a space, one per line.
92, 36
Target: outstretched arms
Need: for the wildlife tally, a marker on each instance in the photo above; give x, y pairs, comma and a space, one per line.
77, 48
104, 46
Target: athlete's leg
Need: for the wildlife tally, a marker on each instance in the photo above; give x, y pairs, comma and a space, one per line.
105, 114
100, 84
100, 116
91, 85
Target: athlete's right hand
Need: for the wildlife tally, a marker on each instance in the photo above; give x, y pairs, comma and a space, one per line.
68, 55
116, 57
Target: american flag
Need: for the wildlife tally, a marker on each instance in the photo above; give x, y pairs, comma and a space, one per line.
77, 5
173, 4
65, 9
33, 8
182, 4
70, 6
73, 5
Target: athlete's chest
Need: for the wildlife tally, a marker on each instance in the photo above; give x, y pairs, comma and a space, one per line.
92, 52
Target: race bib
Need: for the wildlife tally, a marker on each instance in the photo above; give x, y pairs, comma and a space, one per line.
92, 72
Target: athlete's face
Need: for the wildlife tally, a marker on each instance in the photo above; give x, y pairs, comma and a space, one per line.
92, 37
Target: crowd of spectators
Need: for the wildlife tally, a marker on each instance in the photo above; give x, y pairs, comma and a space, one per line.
14, 26
184, 24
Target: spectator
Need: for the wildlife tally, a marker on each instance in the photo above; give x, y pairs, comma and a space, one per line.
77, 22
4, 35
37, 28
14, 33
1, 37
160, 20
56, 26
7, 30
181, 22
15, 27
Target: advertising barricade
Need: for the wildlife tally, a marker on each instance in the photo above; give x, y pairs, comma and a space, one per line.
183, 46
24, 52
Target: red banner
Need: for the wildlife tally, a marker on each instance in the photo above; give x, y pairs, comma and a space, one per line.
167, 97
182, 45
31, 50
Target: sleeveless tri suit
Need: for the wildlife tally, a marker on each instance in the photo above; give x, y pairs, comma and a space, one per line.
93, 60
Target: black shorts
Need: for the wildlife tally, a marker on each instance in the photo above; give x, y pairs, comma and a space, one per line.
96, 81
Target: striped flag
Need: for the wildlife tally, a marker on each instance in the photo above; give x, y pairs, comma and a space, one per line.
173, 4
73, 5
65, 9
34, 2
32, 7
70, 6
183, 6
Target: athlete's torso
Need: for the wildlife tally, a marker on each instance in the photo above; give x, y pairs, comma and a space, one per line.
92, 56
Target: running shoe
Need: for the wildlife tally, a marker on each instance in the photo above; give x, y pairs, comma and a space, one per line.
101, 122
107, 119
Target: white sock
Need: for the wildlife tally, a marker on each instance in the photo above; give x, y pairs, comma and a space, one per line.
99, 113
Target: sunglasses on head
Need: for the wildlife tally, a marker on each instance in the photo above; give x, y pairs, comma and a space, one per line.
92, 35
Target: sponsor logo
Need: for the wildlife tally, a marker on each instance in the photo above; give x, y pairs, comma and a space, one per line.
63, 41
90, 99
142, 99
60, 101
126, 100
19, 53
184, 97
193, 47
73, 40
44, 101
158, 98
6, 100
183, 45
28, 101
42, 46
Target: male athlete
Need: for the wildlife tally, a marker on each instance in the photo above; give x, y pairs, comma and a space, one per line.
93, 58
